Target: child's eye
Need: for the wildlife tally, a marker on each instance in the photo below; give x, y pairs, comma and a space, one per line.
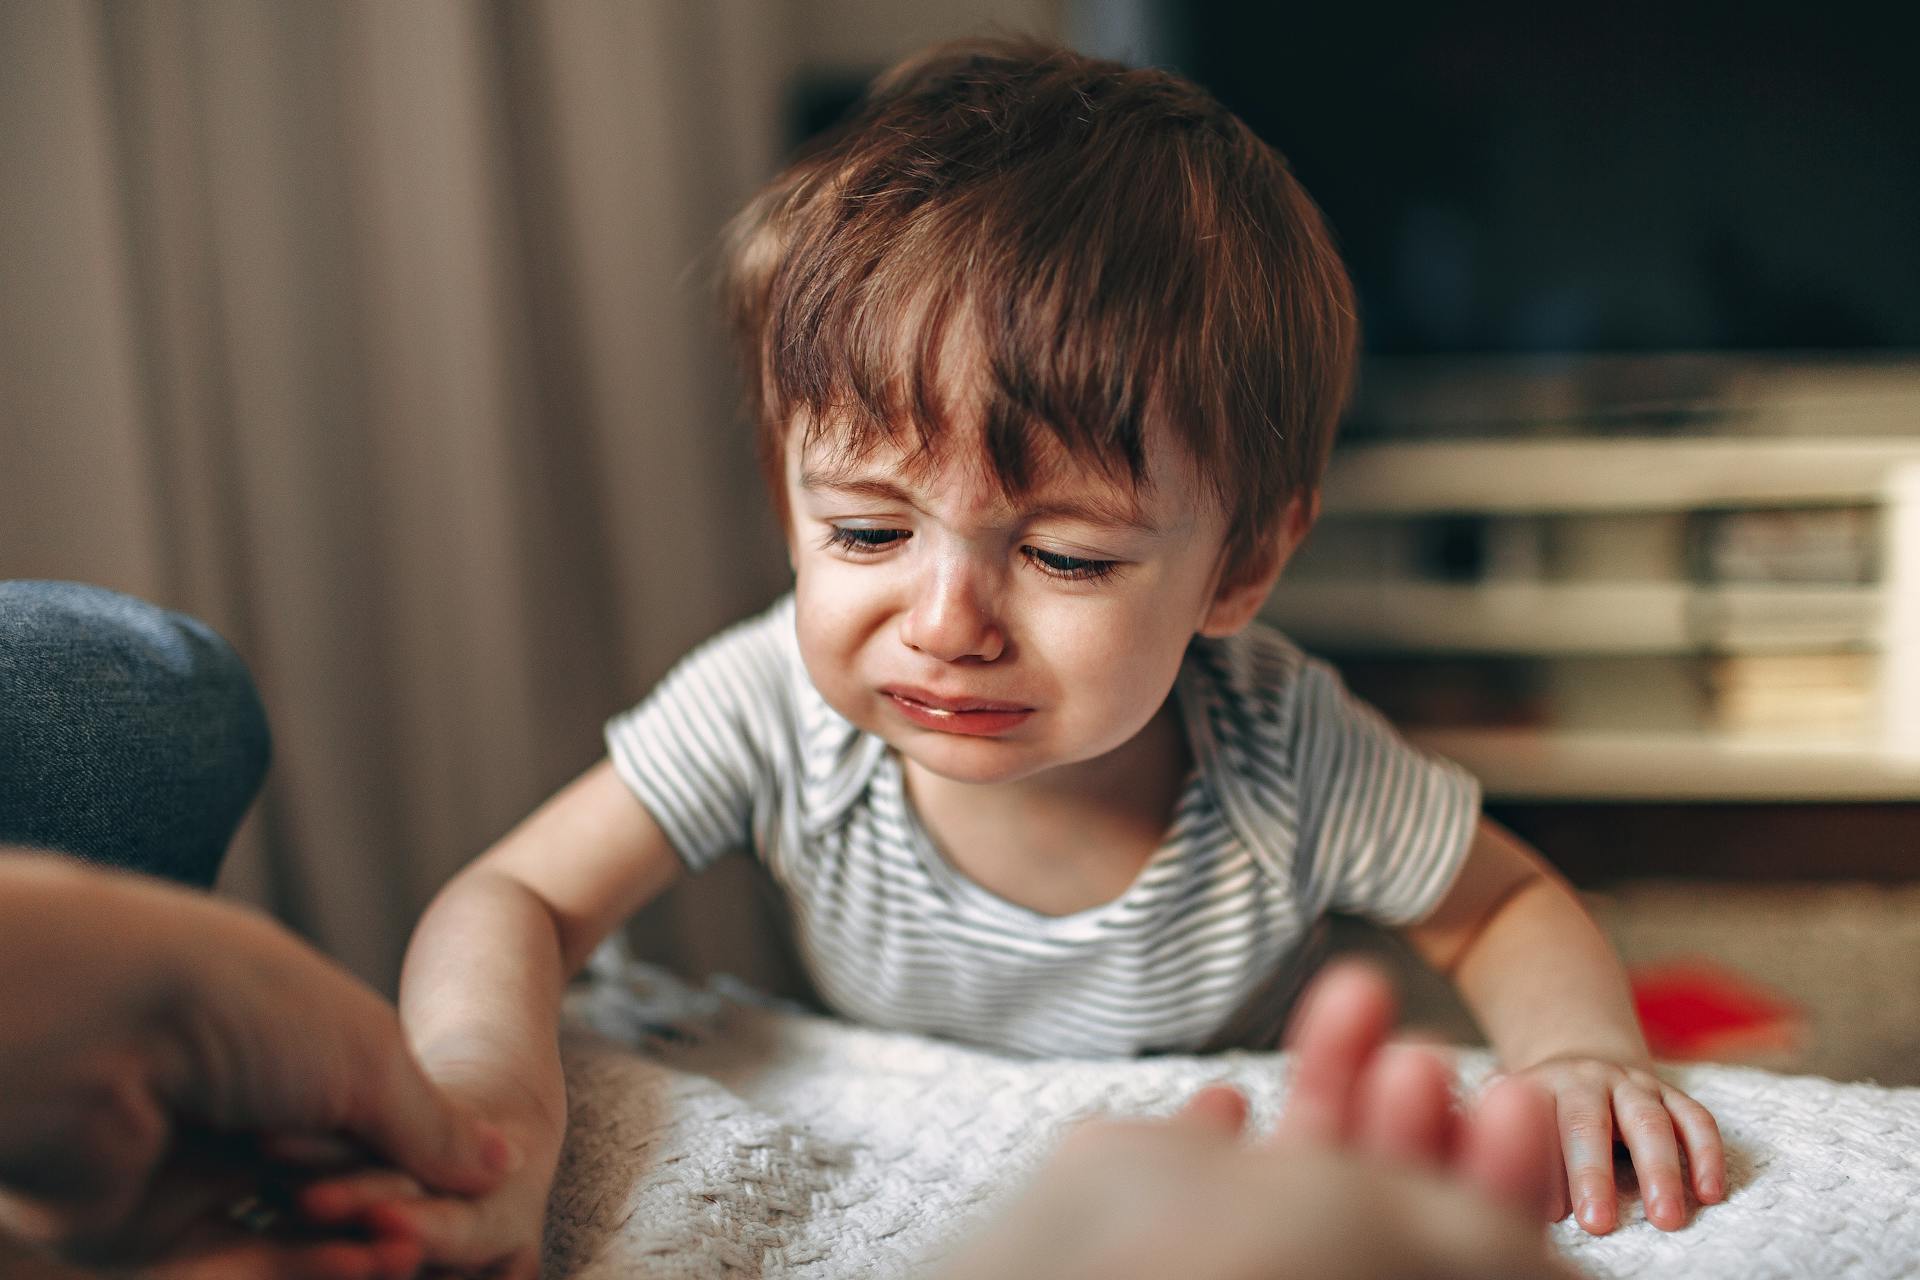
1072, 568
863, 542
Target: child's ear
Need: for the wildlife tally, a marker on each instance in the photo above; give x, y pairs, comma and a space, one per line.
1238, 598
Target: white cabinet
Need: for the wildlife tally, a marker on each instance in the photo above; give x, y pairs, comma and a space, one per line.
1634, 615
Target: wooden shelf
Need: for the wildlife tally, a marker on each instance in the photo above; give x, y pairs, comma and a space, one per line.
1529, 764
1642, 473
1641, 441
1561, 619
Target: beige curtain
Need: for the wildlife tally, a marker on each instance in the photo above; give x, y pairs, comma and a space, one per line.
379, 335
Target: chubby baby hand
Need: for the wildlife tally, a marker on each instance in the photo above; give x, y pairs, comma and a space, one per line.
1598, 1103
497, 1234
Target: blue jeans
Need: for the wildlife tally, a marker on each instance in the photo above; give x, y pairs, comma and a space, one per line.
129, 736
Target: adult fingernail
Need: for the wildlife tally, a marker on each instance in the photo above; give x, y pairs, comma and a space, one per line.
502, 1154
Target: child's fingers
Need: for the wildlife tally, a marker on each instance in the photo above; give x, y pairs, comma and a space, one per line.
1341, 1024
1509, 1149
1706, 1153
271, 1260
1585, 1117
1647, 1131
452, 1232
1218, 1107
398, 1259
1405, 1107
335, 1260
343, 1199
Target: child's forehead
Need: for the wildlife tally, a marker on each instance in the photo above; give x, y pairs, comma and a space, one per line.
959, 464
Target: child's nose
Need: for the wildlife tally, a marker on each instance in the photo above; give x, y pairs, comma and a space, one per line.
952, 617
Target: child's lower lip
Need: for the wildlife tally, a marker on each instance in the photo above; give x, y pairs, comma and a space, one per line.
983, 723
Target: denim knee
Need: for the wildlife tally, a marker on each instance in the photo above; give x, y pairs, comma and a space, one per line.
128, 735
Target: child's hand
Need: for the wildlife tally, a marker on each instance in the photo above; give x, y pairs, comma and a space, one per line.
496, 1234
1597, 1101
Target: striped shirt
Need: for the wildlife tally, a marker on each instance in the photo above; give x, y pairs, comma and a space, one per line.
1301, 800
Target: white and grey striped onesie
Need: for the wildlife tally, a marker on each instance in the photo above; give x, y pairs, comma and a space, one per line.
1301, 800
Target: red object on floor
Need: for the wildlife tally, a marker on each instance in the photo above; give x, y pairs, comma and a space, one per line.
1695, 1010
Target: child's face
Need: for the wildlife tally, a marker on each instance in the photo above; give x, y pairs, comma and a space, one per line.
987, 641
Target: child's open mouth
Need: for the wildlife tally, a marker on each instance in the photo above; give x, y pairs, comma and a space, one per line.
956, 715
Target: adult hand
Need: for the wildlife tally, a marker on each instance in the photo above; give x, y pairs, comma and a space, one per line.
1371, 1174
1350, 1089
168, 1053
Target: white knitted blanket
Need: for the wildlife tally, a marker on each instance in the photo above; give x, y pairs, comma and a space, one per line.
714, 1135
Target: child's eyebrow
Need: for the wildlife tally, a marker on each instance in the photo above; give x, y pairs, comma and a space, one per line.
1115, 512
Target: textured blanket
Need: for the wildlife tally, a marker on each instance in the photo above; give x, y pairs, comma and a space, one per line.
713, 1134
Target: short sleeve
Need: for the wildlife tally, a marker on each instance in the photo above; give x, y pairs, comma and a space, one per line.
1384, 826
704, 748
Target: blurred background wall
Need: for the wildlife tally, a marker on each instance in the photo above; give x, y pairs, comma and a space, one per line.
379, 335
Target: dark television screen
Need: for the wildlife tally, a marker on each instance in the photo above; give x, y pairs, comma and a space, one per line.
1595, 177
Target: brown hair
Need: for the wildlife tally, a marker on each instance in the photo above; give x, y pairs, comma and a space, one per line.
1121, 249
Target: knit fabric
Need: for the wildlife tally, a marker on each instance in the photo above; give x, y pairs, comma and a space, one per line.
712, 1134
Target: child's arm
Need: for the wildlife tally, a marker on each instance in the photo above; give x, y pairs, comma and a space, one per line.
480, 996
1552, 997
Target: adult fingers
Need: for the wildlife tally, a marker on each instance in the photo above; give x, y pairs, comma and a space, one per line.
1342, 1022
1585, 1117
1706, 1152
80, 1166
228, 1252
401, 1116
1218, 1108
1442, 1228
1405, 1108
359, 1082
1648, 1134
312, 1150
201, 1176
523, 1265
265, 1259
1509, 1149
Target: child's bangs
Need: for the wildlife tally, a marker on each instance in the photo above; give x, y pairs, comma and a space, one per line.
945, 337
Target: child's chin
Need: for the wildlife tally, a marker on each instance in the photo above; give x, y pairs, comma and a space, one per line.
980, 761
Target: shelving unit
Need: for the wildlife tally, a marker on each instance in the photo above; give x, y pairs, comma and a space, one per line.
1347, 613
1520, 618
1621, 473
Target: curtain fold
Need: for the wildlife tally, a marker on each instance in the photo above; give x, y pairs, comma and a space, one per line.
381, 337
